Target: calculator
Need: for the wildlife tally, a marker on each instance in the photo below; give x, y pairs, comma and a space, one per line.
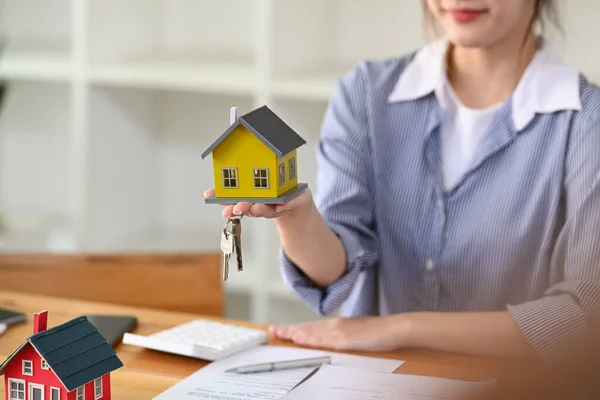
204, 339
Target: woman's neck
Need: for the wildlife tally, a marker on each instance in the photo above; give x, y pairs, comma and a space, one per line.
484, 77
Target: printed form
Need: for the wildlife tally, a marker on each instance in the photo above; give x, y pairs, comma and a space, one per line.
212, 382
339, 383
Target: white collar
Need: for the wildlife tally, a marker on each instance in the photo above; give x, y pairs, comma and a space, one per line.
548, 85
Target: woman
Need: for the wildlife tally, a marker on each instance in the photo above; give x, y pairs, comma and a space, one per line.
459, 198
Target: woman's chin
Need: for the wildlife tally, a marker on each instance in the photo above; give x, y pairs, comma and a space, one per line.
470, 39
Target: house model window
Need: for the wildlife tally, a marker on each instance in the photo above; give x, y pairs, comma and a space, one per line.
230, 179
45, 365
98, 388
17, 389
28, 367
54, 393
281, 174
80, 393
261, 178
292, 168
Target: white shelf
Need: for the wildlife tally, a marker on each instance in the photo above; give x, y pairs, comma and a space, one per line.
219, 74
181, 45
318, 86
35, 40
36, 63
110, 104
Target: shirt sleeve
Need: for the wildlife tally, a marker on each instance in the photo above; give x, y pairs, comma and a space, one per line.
344, 196
569, 313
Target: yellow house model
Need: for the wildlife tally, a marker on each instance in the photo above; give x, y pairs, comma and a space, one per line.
255, 160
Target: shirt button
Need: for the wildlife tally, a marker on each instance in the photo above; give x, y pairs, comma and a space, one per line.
429, 265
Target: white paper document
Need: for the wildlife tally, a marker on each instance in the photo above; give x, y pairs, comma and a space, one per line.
340, 383
212, 382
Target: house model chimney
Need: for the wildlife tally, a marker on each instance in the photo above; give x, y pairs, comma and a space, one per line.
233, 115
40, 321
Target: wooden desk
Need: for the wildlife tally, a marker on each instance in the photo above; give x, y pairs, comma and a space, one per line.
147, 373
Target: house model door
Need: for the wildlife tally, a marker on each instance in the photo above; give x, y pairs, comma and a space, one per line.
36, 392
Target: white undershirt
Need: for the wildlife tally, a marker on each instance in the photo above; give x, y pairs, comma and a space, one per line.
462, 130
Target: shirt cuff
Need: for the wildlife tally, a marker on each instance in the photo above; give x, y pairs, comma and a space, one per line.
326, 300
553, 325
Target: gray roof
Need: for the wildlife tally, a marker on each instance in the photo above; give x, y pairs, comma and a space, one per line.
269, 128
75, 351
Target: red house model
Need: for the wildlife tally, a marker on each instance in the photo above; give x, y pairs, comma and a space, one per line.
72, 361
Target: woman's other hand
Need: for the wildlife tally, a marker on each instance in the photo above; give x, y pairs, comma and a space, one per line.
355, 334
297, 205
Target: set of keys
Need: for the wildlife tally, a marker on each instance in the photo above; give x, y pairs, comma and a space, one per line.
231, 241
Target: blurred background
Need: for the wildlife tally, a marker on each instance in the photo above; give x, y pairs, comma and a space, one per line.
107, 106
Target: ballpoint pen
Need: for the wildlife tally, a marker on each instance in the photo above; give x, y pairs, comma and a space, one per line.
281, 365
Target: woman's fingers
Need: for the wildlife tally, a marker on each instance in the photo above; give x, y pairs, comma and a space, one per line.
242, 208
252, 210
262, 211
228, 211
316, 333
258, 209
287, 332
299, 201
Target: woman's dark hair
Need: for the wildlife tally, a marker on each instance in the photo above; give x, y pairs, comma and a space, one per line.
546, 10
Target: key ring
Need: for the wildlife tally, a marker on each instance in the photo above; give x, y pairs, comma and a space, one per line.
230, 221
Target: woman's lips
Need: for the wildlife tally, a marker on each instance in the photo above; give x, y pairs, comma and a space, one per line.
465, 15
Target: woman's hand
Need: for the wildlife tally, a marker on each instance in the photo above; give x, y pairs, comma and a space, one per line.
304, 235
297, 205
359, 334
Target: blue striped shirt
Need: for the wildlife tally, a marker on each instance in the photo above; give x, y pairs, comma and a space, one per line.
519, 232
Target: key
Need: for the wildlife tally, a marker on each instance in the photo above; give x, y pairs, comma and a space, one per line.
237, 241
227, 249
